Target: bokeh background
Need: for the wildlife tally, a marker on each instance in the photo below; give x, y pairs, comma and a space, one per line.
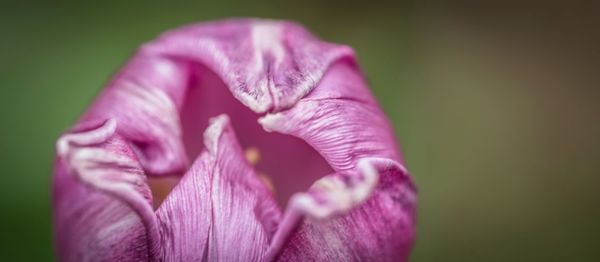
496, 105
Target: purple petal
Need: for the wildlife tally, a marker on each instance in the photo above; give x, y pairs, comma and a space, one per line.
268, 65
342, 122
144, 99
220, 211
381, 228
101, 199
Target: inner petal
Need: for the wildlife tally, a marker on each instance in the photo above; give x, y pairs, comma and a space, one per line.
219, 211
286, 162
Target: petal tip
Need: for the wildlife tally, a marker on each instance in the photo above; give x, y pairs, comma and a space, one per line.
270, 121
93, 136
335, 194
213, 132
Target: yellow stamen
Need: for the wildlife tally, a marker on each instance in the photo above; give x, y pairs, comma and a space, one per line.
252, 155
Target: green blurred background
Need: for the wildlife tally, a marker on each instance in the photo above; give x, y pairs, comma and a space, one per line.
496, 106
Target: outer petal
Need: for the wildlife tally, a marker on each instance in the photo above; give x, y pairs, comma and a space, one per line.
267, 64
220, 211
101, 200
341, 120
377, 228
144, 98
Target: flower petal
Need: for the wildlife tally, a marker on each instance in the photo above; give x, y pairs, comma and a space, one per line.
343, 224
341, 120
144, 98
220, 211
267, 64
101, 199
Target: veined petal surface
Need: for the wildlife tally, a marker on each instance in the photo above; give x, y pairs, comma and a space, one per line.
366, 210
220, 211
102, 208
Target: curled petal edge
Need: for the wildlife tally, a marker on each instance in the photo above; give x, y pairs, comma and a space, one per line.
331, 196
103, 161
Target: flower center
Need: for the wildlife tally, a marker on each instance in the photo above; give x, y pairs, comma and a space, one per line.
286, 164
162, 186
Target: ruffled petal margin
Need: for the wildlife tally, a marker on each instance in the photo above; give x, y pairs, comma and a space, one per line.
367, 209
102, 203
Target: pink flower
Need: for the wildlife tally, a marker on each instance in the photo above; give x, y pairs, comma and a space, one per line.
310, 173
